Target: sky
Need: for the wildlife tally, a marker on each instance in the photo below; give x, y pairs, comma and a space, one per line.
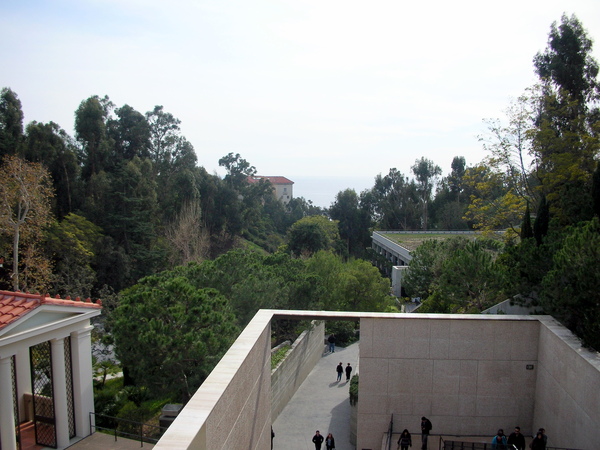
326, 93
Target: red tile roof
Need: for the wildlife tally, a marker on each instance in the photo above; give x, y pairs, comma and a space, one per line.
273, 180
14, 305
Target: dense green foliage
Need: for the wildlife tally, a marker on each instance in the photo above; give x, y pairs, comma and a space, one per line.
171, 328
553, 264
169, 333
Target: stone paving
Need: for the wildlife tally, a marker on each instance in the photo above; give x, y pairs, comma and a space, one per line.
321, 403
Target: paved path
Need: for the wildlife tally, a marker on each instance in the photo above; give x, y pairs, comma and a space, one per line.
321, 403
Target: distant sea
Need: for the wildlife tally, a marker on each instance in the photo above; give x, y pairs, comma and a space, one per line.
323, 190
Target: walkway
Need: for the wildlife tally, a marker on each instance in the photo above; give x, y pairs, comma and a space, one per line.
321, 403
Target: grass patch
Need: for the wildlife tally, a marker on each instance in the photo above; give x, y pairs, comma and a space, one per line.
279, 355
411, 241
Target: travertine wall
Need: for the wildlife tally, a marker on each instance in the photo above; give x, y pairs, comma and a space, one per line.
467, 374
232, 408
293, 370
568, 389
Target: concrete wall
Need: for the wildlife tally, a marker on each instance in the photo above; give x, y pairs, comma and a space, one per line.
567, 402
467, 374
232, 408
287, 377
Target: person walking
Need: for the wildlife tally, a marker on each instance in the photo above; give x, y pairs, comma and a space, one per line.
318, 440
425, 429
538, 442
331, 340
330, 442
348, 371
516, 439
340, 370
405, 440
544, 435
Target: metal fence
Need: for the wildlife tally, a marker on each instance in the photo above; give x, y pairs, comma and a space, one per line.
129, 429
459, 445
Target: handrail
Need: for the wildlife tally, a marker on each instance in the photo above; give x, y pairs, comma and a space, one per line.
139, 436
390, 433
460, 445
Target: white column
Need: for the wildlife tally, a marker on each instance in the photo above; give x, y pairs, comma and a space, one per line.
8, 438
83, 387
24, 384
59, 383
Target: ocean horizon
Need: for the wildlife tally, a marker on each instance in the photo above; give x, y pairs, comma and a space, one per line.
322, 190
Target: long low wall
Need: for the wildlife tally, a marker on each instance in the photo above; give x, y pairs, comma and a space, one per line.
287, 377
232, 408
567, 401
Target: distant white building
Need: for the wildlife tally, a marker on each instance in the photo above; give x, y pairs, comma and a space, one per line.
282, 186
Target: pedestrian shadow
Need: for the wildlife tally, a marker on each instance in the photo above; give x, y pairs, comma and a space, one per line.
333, 384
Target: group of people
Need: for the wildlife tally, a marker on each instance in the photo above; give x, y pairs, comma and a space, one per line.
405, 439
318, 440
517, 440
340, 370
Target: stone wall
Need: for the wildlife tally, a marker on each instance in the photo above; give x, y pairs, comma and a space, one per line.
470, 374
467, 374
287, 377
567, 402
232, 408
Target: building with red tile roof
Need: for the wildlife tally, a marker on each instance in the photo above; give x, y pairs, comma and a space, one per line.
282, 187
45, 367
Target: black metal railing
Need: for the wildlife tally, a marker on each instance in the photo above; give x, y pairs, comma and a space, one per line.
390, 433
460, 445
129, 429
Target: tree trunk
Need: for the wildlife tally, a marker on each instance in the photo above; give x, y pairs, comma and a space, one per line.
15, 275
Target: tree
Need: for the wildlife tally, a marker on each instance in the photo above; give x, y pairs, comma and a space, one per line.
426, 265
455, 275
363, 288
170, 333
130, 134
426, 173
542, 221
449, 205
567, 63
565, 141
11, 122
51, 146
509, 145
91, 132
131, 216
167, 145
392, 202
311, 234
494, 203
596, 190
238, 170
352, 286
570, 288
188, 235
72, 245
25, 195
526, 229
455, 179
471, 280
353, 222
